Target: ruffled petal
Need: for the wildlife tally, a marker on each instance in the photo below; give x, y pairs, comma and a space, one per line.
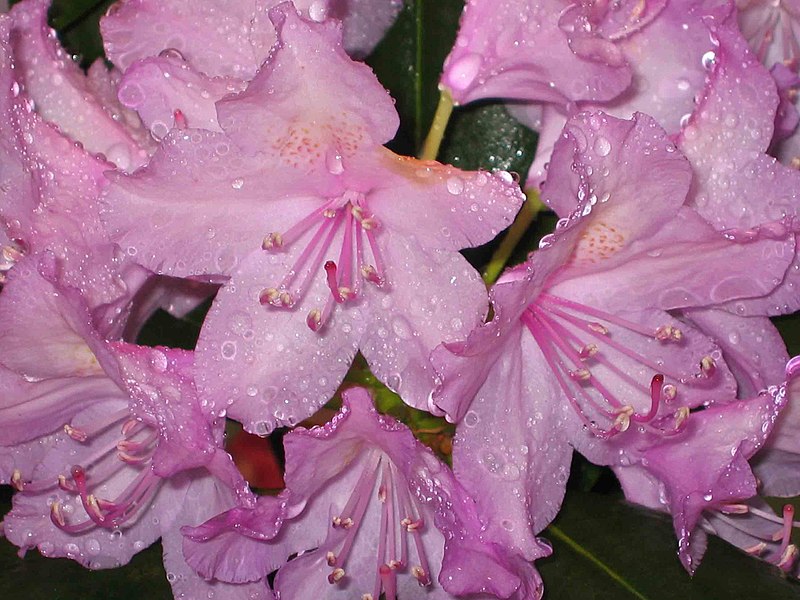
310, 106
752, 347
736, 113
510, 438
707, 465
522, 50
217, 37
63, 94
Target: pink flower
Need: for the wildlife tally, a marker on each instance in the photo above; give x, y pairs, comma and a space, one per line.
332, 243
582, 352
103, 441
371, 511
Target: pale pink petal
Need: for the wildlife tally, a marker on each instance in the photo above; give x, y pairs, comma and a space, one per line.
522, 50
158, 87
263, 364
726, 141
438, 205
304, 101
62, 93
30, 410
217, 37
509, 451
683, 253
203, 173
435, 297
597, 166
45, 333
189, 577
707, 466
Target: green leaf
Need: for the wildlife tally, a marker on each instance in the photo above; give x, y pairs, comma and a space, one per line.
408, 63
605, 548
77, 24
485, 136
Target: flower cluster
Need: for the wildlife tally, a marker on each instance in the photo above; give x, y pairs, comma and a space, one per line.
235, 151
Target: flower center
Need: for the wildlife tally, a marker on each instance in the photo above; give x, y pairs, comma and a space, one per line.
400, 533
594, 369
359, 257
133, 449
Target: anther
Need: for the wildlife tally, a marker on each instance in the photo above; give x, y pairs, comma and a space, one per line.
65, 485
286, 299
336, 575
623, 420
420, 575
756, 549
366, 597
707, 366
680, 416
580, 374
314, 319
598, 328
272, 241
734, 509
669, 392
180, 119
788, 558
588, 351
330, 557
56, 516
668, 333
370, 273
16, 480
329, 213
382, 494
269, 296
76, 434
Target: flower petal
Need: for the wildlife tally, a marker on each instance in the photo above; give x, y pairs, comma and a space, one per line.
435, 297
522, 50
158, 87
291, 370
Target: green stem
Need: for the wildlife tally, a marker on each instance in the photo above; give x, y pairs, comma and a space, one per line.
430, 149
526, 216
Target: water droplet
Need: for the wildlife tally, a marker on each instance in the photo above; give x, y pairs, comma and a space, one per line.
602, 146
237, 183
228, 350
455, 185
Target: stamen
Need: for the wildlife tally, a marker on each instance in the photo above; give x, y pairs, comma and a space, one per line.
707, 366
336, 575
668, 333
16, 480
272, 241
76, 434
